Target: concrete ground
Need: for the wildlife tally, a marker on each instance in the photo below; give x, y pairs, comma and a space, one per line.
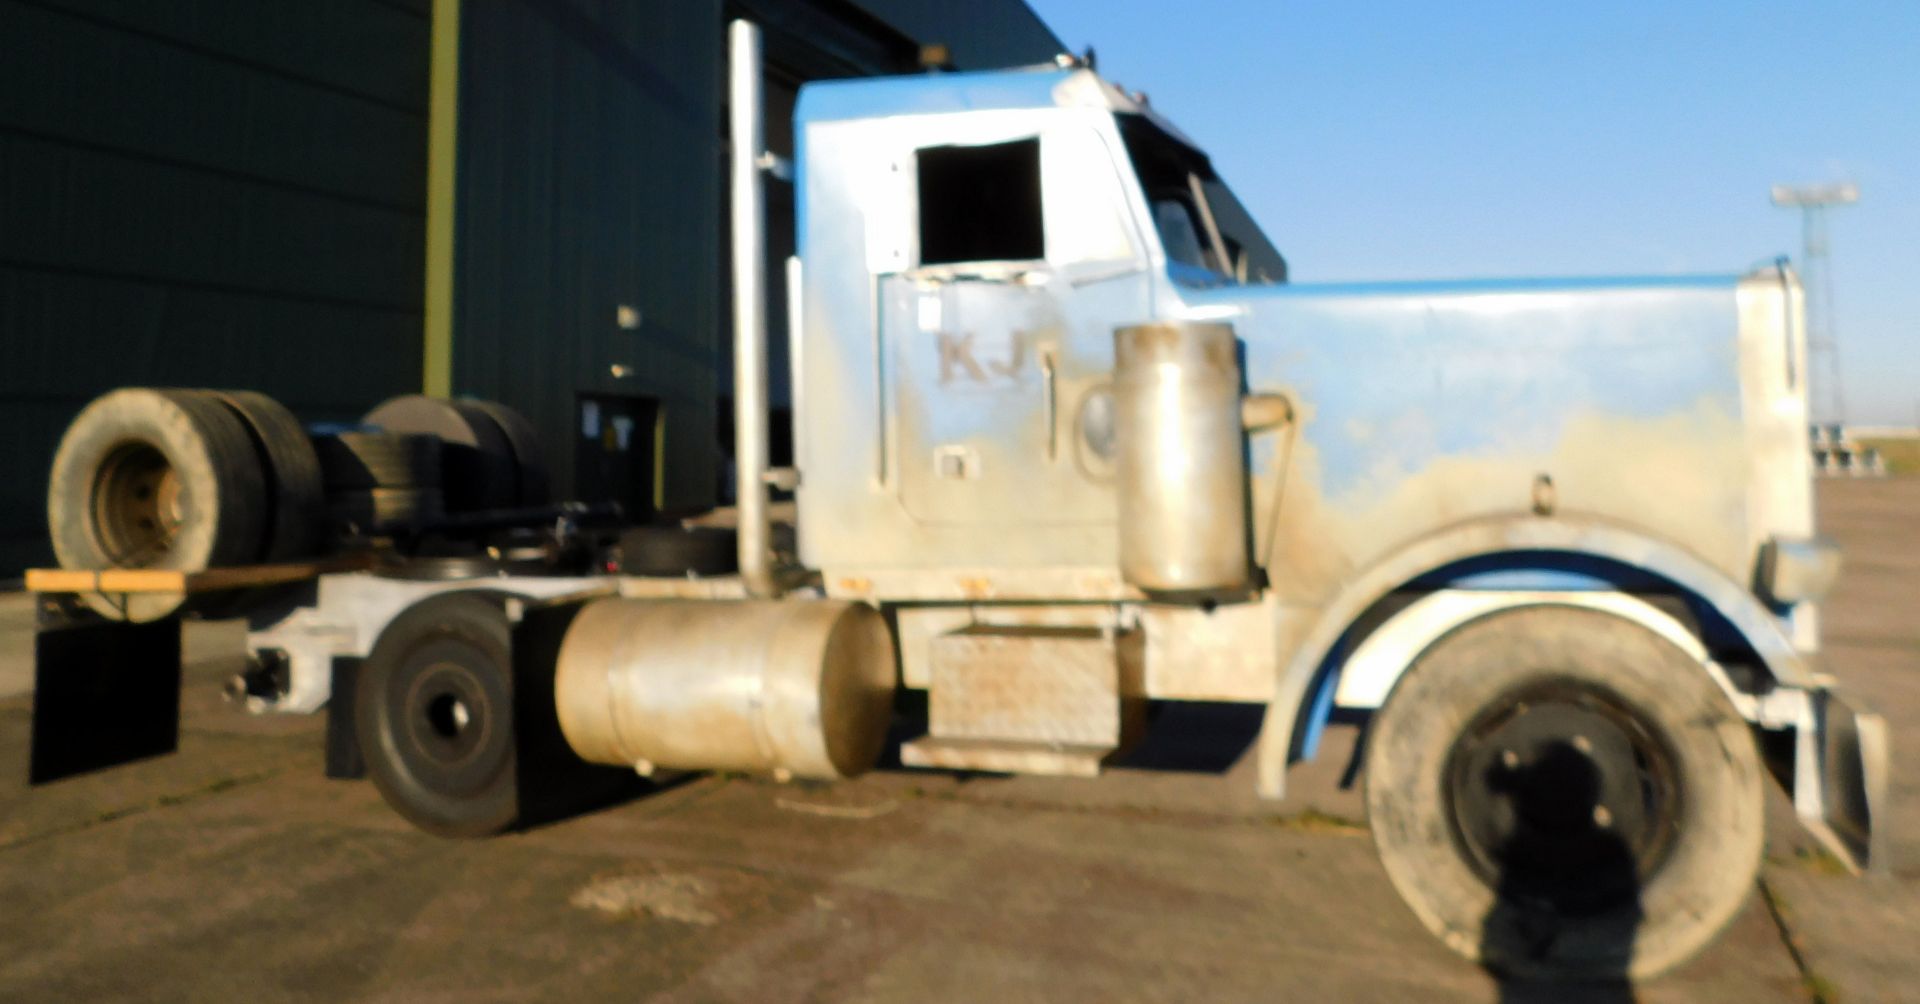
233, 871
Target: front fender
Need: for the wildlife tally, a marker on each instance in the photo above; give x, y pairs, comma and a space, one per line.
1513, 535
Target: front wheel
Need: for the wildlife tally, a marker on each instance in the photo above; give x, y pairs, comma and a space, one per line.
1562, 794
434, 707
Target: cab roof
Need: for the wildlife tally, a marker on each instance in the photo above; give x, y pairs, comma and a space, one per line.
1048, 85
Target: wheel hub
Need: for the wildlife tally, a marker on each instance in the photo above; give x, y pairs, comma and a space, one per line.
139, 504
1564, 797
447, 715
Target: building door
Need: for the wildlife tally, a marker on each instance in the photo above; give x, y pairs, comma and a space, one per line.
614, 452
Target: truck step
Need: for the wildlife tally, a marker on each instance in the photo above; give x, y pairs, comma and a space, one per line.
1004, 756
1030, 700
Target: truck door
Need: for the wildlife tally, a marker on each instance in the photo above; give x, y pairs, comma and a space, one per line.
1027, 258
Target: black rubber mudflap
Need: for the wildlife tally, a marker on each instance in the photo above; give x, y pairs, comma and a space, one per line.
105, 693
344, 761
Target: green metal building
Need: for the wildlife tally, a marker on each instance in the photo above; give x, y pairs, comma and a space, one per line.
335, 201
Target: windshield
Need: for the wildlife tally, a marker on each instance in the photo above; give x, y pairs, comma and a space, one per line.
1201, 225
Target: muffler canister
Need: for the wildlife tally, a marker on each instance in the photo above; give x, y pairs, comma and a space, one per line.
1181, 470
797, 688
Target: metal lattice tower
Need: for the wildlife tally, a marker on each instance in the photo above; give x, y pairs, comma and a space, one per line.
1827, 400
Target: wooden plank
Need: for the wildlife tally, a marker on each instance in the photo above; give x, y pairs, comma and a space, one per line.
75, 580
159, 580
52, 580
243, 576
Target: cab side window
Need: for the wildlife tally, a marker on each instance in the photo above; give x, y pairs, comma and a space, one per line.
980, 203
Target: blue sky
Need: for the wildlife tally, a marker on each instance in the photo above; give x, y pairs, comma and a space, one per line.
1397, 140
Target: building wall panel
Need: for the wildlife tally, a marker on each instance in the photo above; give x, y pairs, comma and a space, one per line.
203, 193
590, 177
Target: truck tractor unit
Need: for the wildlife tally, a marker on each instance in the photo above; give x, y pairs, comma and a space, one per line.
1068, 443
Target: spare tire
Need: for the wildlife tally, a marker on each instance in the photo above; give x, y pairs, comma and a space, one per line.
477, 466
534, 484
355, 460
377, 511
155, 479
296, 513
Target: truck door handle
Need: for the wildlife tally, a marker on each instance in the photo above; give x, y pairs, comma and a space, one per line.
1049, 403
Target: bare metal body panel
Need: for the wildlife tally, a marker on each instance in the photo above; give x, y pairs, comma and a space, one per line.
950, 453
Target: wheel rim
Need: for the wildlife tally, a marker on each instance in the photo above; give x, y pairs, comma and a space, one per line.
448, 717
1562, 797
138, 505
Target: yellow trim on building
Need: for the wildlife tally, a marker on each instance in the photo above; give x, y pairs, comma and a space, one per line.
443, 107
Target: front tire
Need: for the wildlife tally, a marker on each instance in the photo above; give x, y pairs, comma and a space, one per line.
435, 713
1562, 794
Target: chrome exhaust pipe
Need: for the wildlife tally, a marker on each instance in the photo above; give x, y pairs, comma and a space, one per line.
750, 453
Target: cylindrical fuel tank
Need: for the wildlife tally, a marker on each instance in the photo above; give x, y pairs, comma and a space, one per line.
1181, 470
795, 688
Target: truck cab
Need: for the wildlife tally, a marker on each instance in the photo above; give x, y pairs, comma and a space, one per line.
970, 241
1571, 474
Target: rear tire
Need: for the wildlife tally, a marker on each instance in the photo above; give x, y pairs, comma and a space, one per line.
434, 709
1562, 794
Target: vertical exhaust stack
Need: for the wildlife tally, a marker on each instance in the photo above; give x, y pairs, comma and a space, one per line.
748, 139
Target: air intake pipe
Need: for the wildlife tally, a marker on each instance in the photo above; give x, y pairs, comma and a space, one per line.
1181, 472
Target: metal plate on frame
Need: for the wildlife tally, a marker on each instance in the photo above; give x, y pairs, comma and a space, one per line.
1840, 779
1050, 685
